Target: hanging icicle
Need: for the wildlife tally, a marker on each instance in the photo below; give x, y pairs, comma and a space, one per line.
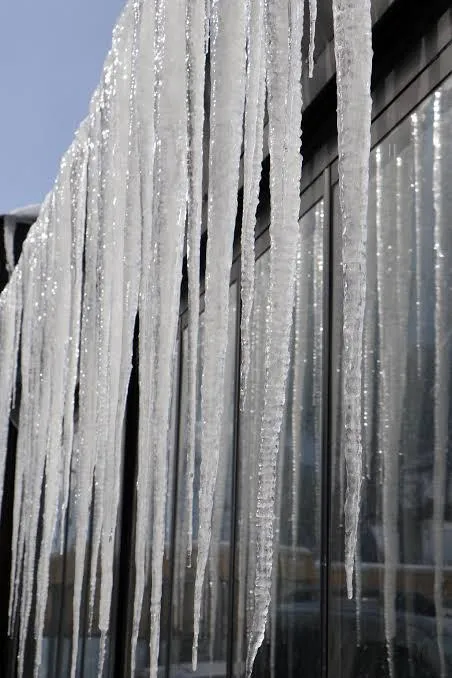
442, 367
284, 107
353, 49
227, 54
196, 19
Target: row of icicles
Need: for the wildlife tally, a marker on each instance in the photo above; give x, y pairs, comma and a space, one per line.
109, 245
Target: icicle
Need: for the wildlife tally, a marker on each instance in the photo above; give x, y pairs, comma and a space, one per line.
227, 102
78, 218
442, 367
312, 26
195, 71
284, 105
125, 243
10, 326
297, 394
32, 267
252, 162
170, 191
390, 456
418, 229
38, 402
56, 343
145, 112
353, 49
84, 451
317, 358
9, 232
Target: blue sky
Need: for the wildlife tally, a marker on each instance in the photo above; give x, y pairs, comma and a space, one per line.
51, 56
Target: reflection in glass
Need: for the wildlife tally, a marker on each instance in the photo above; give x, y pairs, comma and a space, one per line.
399, 623
292, 642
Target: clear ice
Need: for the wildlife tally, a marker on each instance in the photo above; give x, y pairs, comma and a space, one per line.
353, 50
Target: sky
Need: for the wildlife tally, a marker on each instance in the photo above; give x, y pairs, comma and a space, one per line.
51, 56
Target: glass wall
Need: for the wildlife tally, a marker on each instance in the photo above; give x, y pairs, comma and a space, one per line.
400, 622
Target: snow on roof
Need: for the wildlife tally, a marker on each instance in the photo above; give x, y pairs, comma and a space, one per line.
28, 212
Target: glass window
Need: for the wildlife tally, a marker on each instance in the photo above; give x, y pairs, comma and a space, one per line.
212, 648
292, 642
399, 623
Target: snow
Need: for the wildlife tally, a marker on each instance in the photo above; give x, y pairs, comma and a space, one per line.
353, 50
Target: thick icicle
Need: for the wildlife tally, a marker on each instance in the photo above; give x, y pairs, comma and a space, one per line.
353, 50
145, 112
78, 217
37, 404
85, 448
312, 27
56, 347
170, 192
124, 243
252, 164
227, 103
284, 106
442, 368
195, 28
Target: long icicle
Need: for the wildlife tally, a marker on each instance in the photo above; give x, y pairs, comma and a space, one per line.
284, 105
226, 116
145, 113
442, 368
252, 163
170, 192
195, 27
353, 50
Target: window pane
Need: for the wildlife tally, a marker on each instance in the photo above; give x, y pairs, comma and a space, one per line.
399, 622
214, 609
292, 643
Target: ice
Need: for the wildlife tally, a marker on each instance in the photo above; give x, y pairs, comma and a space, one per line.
284, 107
10, 327
56, 347
196, 18
170, 192
441, 204
9, 232
109, 242
252, 163
84, 447
145, 112
312, 26
317, 356
78, 182
353, 50
418, 198
393, 291
227, 101
35, 406
121, 244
